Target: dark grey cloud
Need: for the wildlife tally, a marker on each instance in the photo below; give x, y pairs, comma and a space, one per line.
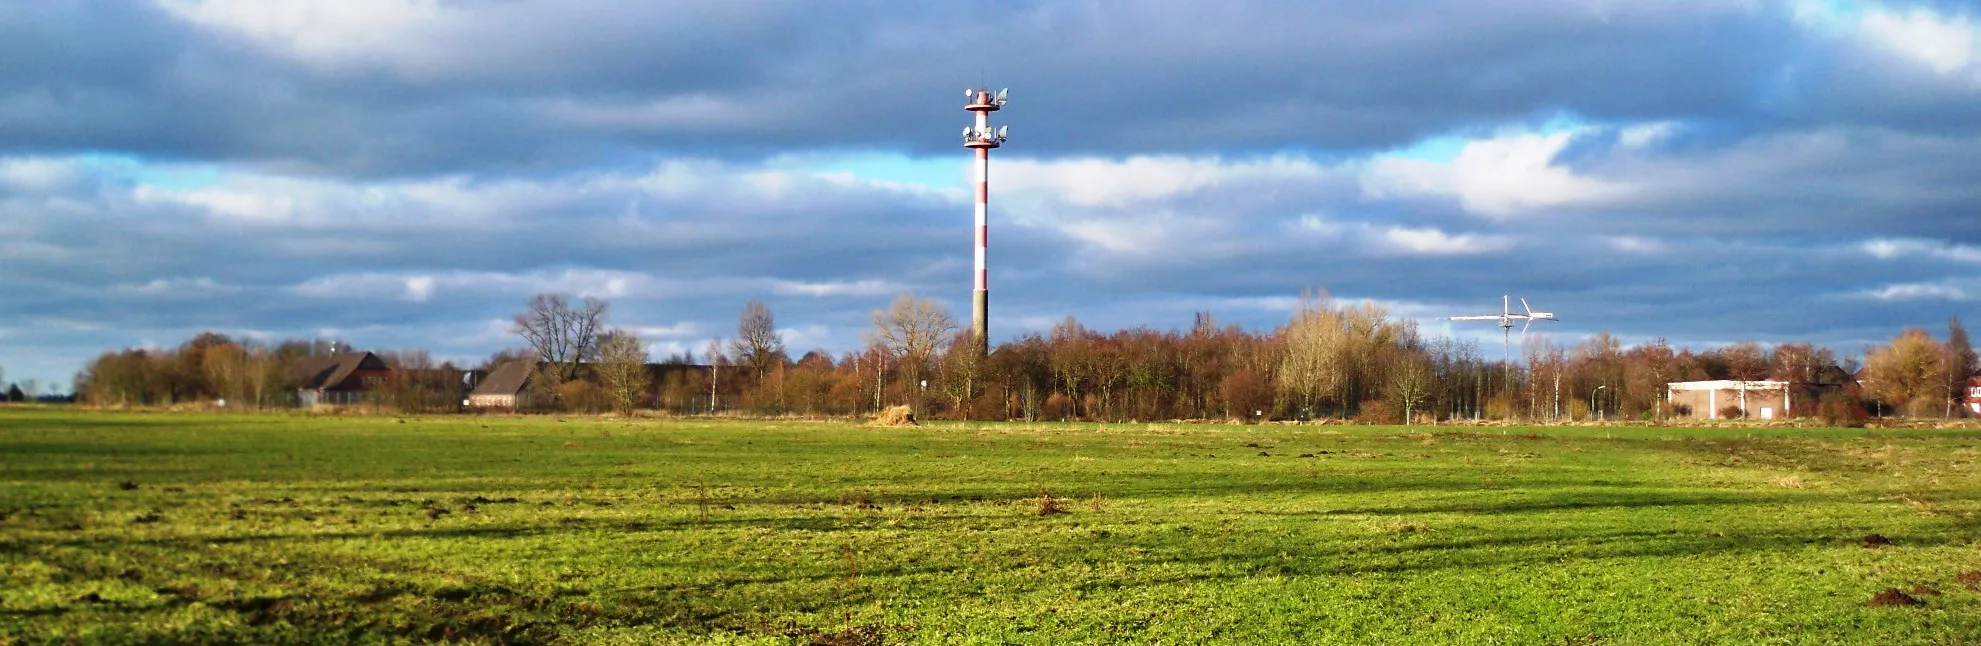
532, 88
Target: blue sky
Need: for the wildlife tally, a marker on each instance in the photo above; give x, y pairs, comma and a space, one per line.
406, 173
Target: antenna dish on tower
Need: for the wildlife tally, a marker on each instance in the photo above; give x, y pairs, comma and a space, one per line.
1001, 95
1001, 130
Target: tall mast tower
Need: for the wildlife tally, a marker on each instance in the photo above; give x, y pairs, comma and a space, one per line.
982, 139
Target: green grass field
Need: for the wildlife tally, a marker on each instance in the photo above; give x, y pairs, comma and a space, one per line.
149, 528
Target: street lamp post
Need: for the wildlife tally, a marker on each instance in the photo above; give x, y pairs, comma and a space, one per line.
1600, 416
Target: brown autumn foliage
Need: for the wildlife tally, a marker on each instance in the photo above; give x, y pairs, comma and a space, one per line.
1329, 361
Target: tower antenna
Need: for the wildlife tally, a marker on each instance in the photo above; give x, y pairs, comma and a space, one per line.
982, 138
1505, 318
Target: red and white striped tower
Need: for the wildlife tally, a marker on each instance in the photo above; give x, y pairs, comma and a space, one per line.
982, 138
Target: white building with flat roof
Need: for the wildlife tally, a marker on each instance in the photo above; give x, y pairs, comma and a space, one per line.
1706, 399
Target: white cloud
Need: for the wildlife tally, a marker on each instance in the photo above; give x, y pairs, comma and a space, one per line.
1635, 244
1263, 303
1119, 236
683, 329
491, 332
161, 286
1645, 134
609, 284
269, 200
804, 338
324, 33
1892, 248
1312, 223
19, 250
601, 283
1438, 243
225, 203
1096, 182
835, 288
1924, 291
1401, 240
1499, 176
1946, 44
419, 288
691, 112
38, 174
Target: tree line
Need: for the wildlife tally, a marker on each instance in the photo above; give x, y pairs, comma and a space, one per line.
1329, 360
248, 374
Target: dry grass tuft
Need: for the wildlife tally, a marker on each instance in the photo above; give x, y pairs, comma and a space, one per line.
1049, 505
1404, 527
895, 416
1788, 482
1923, 507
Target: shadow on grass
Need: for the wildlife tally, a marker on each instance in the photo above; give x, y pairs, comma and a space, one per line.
425, 599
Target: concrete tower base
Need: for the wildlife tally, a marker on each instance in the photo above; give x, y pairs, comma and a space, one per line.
980, 319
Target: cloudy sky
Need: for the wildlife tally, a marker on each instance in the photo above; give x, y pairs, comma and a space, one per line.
407, 173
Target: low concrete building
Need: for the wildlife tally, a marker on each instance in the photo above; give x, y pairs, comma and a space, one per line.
1756, 399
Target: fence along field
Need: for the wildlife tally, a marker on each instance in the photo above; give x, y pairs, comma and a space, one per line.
134, 528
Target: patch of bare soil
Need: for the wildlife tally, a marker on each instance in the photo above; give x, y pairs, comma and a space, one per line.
1924, 591
895, 416
1971, 579
1893, 597
1876, 540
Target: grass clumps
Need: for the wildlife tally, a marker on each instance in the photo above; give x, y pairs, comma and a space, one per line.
279, 529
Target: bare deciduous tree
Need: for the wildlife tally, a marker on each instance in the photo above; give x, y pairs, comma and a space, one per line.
912, 328
1410, 384
564, 336
757, 343
1747, 361
1958, 364
226, 369
270, 375
1071, 345
962, 368
622, 369
1313, 366
716, 361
